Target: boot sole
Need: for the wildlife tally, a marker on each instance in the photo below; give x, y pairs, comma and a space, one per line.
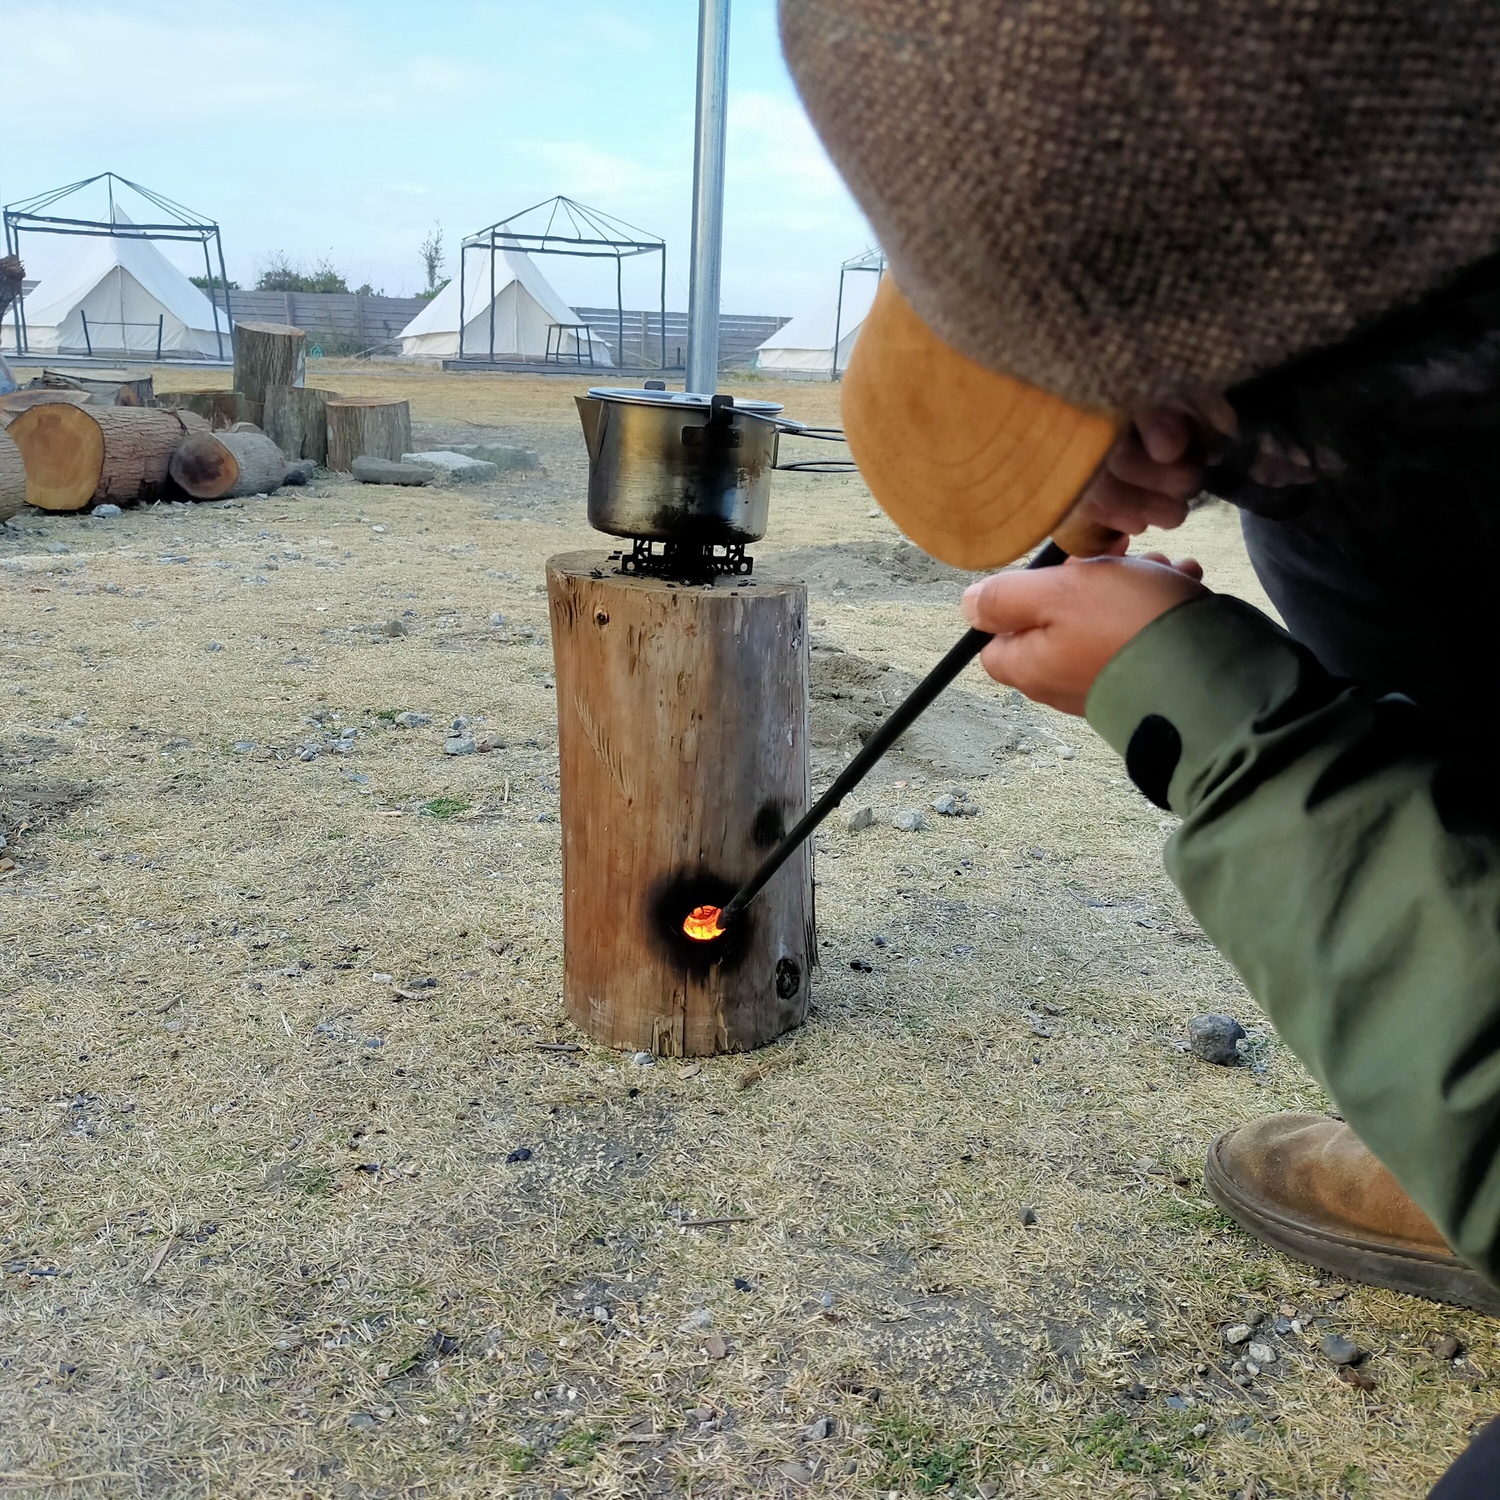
1417, 1273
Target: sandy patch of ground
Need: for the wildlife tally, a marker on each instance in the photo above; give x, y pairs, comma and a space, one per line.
268, 1228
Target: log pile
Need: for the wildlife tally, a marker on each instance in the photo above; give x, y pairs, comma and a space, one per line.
77, 456
216, 465
366, 426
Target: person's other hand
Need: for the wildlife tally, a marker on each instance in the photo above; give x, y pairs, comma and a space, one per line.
1147, 479
1056, 628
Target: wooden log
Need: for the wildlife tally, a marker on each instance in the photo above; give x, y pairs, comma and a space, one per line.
366, 425
297, 420
81, 455
214, 465
220, 409
107, 390
12, 478
267, 354
682, 738
13, 405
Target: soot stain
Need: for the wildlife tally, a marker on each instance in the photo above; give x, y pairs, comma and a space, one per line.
673, 897
770, 826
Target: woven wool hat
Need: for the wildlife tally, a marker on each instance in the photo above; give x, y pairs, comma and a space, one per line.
1092, 206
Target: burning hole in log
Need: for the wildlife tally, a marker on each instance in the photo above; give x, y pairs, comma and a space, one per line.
702, 924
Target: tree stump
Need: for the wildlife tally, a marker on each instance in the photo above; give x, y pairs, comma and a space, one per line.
220, 409
81, 455
12, 477
213, 465
369, 426
16, 402
682, 737
124, 390
296, 420
267, 354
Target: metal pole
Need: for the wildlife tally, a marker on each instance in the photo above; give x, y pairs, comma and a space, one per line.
492, 297
619, 312
838, 319
662, 326
461, 249
708, 196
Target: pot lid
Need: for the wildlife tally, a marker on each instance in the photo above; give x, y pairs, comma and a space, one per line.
689, 400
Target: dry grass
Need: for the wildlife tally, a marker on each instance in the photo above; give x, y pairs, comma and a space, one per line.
265, 1227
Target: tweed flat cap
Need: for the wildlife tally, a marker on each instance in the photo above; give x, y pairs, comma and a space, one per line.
1124, 200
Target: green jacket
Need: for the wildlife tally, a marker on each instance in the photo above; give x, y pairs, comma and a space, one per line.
1349, 868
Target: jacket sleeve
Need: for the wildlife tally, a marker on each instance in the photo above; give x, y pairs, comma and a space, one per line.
1349, 867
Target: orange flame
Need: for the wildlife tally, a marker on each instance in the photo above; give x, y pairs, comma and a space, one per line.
702, 924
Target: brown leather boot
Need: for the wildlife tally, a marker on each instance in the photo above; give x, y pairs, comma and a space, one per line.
1307, 1186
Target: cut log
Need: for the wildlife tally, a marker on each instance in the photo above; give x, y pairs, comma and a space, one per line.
297, 420
267, 354
682, 739
382, 471
12, 478
81, 455
122, 389
214, 465
220, 409
366, 425
13, 405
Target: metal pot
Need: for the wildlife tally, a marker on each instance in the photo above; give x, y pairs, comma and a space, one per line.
673, 466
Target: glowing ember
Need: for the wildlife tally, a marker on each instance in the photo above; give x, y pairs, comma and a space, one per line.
702, 924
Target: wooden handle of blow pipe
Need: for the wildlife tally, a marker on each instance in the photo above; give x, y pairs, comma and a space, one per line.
1080, 538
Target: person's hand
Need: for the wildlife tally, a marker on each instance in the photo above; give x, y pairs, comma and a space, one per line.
1055, 628
1147, 479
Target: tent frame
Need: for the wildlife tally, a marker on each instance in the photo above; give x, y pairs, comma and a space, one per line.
178, 223
594, 236
871, 260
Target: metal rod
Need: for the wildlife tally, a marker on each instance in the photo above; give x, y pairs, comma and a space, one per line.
463, 249
902, 718
838, 320
708, 197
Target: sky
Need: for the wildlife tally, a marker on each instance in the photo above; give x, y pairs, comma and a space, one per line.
349, 130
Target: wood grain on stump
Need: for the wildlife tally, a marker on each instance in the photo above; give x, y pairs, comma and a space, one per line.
81, 455
682, 737
267, 354
213, 465
366, 425
12, 477
296, 420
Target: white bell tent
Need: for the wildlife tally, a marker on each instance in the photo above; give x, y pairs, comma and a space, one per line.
531, 321
118, 295
804, 348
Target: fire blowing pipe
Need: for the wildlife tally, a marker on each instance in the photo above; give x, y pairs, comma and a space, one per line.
708, 197
902, 718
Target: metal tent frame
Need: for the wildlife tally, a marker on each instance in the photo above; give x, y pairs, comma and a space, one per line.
871, 260
567, 228
179, 223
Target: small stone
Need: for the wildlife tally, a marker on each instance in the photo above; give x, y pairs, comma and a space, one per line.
243, 747
798, 1473
1251, 1368
1028, 1216
1237, 1333
1341, 1351
861, 966
1446, 1346
111, 588
909, 820
107, 511
459, 744
819, 1431
546, 817
861, 817
378, 978
411, 720
947, 806
520, 1154
1212, 1038
370, 470
987, 1490
496, 620
1065, 752
213, 646
1242, 1381
644, 1059
1262, 1354
1201, 1430
826, 1301
363, 1421
393, 628
308, 753
700, 1317
452, 468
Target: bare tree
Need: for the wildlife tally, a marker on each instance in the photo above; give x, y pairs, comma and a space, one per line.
431, 252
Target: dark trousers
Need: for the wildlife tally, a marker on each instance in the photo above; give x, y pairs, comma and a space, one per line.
1371, 613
